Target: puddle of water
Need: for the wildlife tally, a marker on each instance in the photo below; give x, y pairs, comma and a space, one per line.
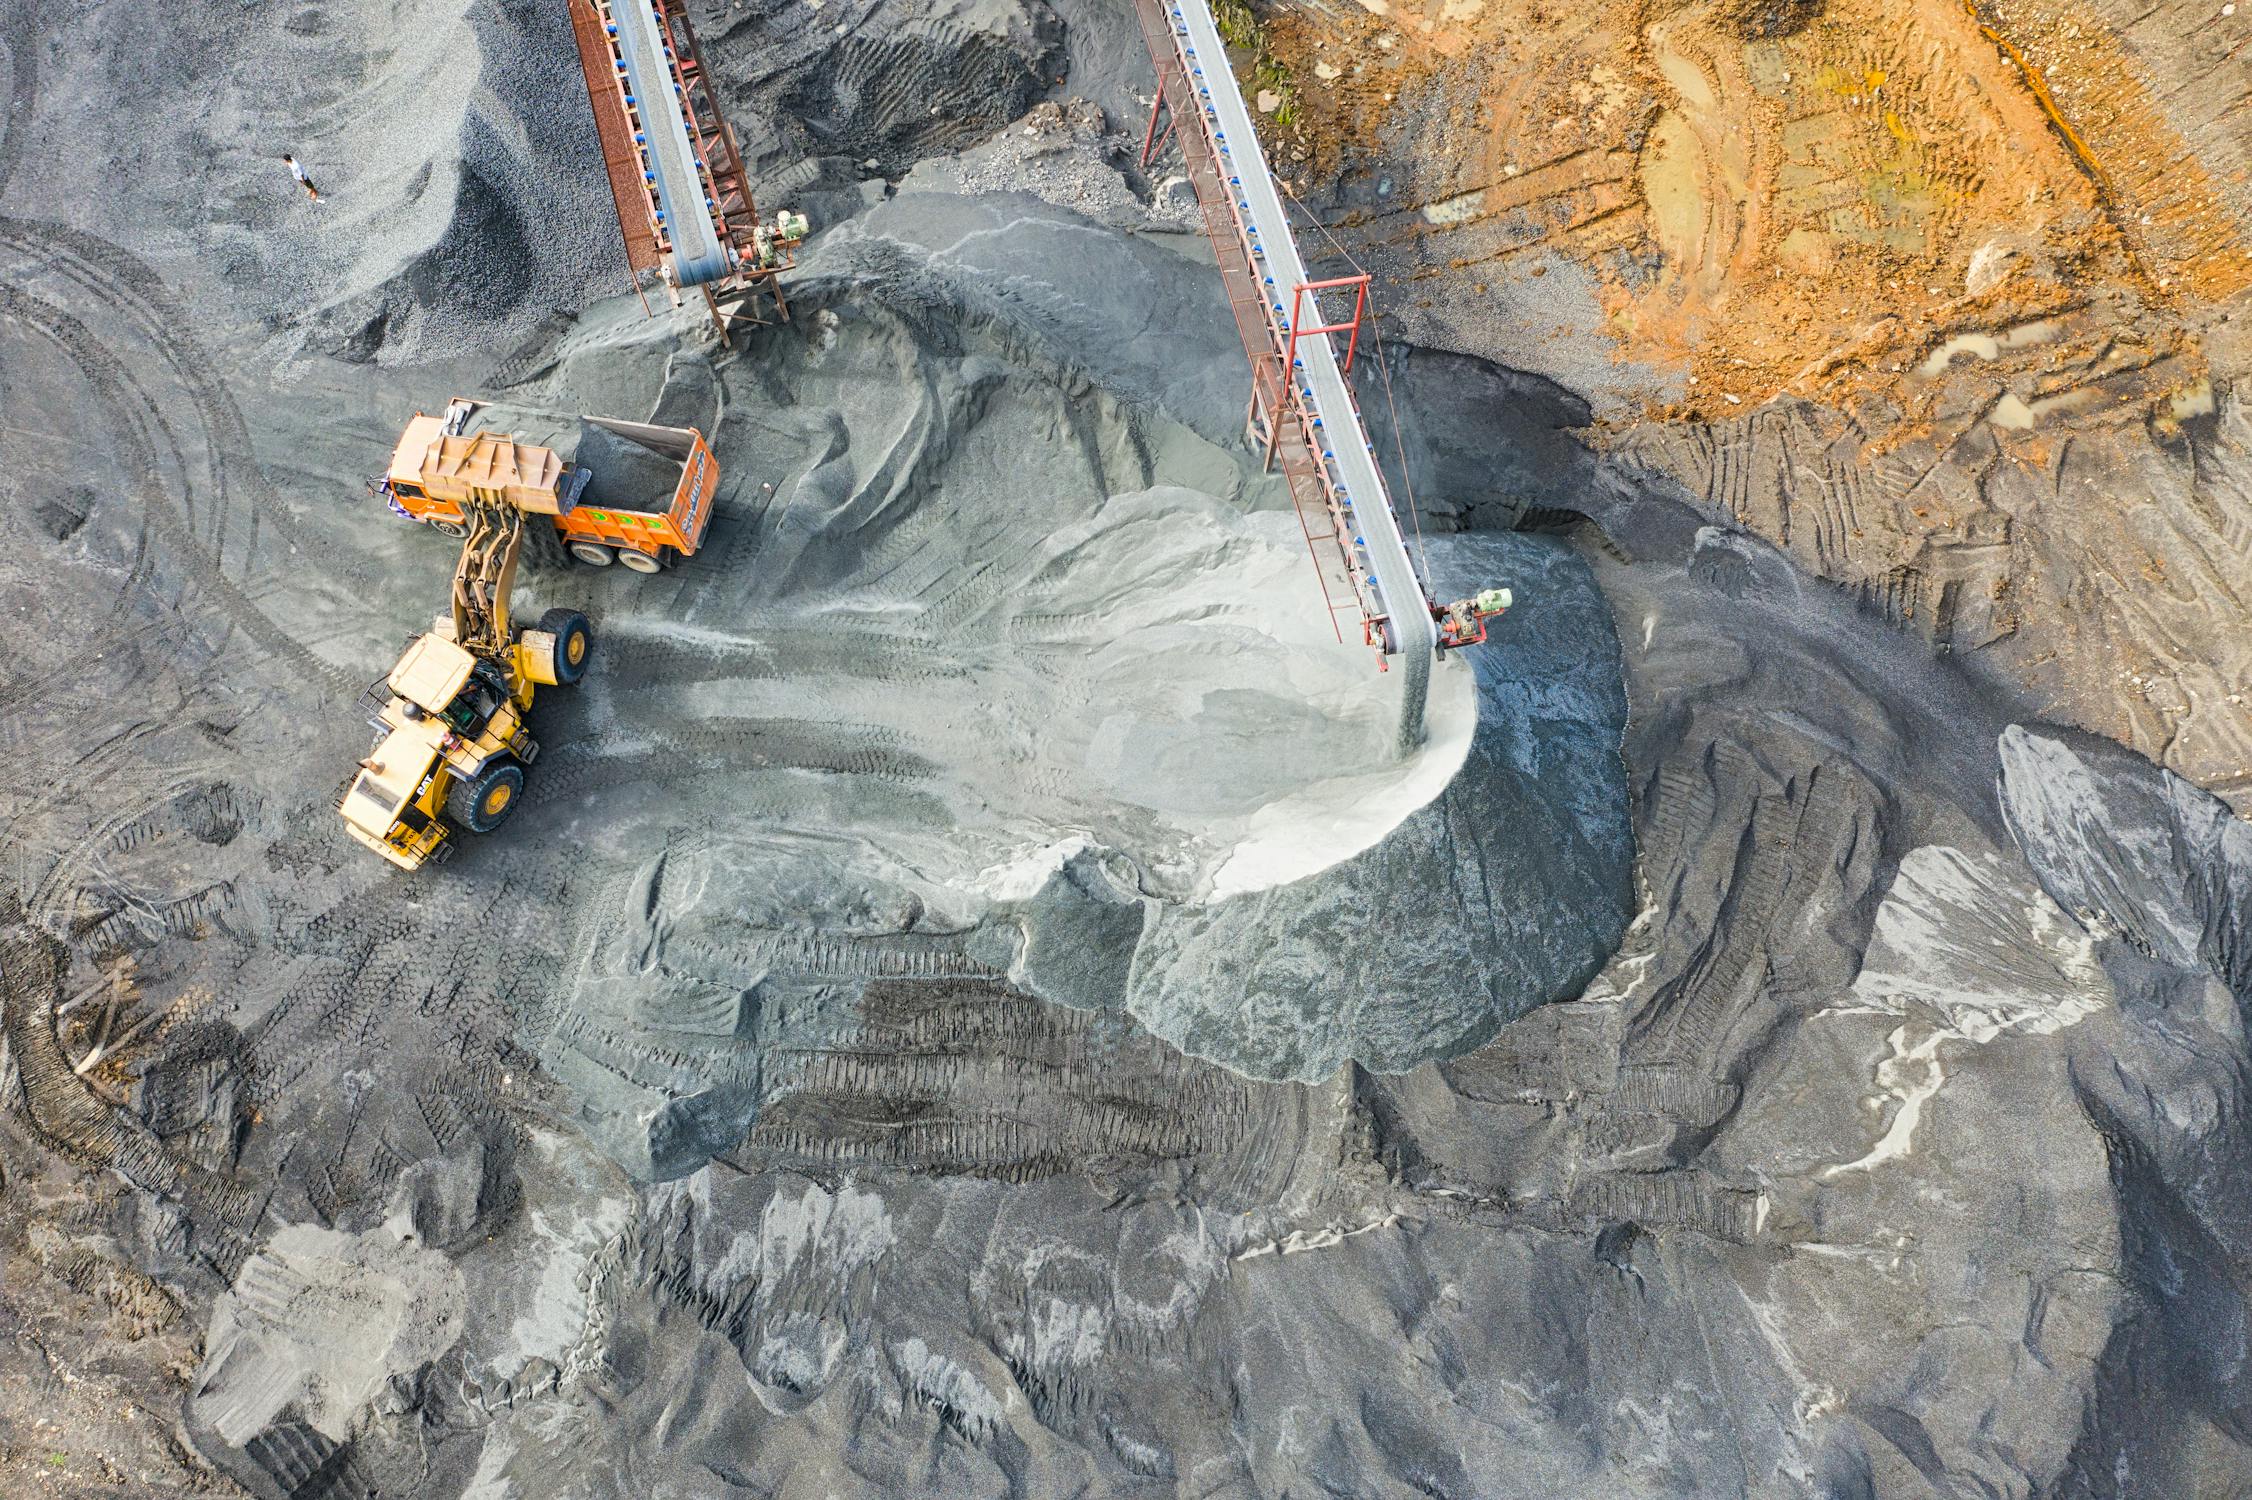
2070, 401
2195, 401
2011, 414
2015, 415
1986, 345
1455, 210
1671, 169
1769, 75
1688, 80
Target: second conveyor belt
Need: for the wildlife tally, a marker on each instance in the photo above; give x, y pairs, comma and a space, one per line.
1320, 380
697, 254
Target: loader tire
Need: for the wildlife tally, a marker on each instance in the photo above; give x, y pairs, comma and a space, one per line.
481, 803
574, 643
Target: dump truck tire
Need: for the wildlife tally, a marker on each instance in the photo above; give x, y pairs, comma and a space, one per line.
481, 803
640, 562
449, 528
593, 554
574, 643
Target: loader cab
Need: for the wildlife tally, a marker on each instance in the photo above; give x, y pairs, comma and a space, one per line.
480, 698
449, 685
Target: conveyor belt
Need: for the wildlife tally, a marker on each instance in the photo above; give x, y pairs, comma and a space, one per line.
697, 255
1410, 632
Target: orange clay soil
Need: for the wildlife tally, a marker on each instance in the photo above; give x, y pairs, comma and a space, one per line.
1779, 199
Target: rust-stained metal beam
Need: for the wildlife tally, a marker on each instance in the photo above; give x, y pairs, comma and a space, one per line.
616, 136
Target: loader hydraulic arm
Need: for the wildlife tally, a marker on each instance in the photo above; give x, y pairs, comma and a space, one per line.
484, 576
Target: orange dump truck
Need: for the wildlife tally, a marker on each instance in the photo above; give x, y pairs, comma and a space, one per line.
625, 492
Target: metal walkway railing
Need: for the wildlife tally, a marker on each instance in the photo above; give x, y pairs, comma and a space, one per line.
1302, 408
684, 203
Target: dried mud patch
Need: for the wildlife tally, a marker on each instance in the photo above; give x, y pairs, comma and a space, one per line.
1766, 203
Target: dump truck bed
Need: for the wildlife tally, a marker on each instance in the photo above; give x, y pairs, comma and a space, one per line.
648, 488
636, 466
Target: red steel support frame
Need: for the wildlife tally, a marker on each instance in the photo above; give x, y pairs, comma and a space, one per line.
1153, 140
615, 133
1298, 325
1279, 424
734, 212
718, 161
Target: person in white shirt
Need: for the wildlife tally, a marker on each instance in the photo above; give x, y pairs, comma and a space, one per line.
303, 181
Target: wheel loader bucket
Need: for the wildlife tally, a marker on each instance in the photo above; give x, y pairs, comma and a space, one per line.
535, 657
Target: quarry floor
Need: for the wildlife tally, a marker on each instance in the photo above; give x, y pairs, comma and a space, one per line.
971, 1004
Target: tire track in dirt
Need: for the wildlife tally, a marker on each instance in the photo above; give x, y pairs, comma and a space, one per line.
123, 284
143, 439
18, 30
71, 1119
119, 391
691, 749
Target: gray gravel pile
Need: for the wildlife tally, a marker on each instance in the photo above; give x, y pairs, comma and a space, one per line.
1773, 1063
1067, 153
462, 201
824, 96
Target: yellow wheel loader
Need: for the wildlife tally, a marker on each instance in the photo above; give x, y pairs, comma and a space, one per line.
452, 748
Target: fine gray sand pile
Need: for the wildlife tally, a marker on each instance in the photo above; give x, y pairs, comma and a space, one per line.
970, 1004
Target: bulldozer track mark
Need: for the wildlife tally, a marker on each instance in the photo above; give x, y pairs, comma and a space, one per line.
876, 956
1681, 805
207, 811
303, 1461
144, 1305
636, 1055
970, 1078
941, 73
71, 1119
141, 924
1734, 966
1683, 1200
19, 32
1787, 845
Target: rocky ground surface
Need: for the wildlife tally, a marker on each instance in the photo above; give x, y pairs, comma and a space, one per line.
1949, 302
967, 1009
